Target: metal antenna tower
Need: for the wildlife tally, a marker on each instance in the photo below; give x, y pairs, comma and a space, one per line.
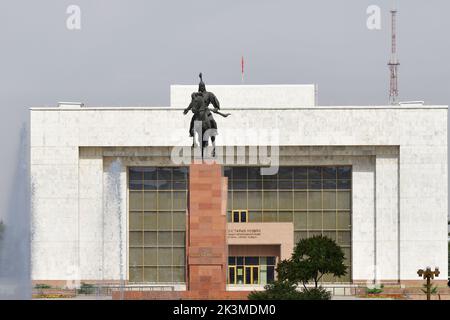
393, 63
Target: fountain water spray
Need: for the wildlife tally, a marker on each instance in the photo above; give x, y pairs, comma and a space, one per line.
114, 207
15, 278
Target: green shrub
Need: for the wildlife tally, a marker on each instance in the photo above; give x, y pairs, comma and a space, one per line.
374, 290
42, 286
277, 290
318, 293
86, 288
283, 290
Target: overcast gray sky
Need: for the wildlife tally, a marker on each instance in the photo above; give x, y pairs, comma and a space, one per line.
129, 52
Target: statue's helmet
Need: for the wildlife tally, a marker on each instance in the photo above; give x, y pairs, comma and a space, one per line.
201, 85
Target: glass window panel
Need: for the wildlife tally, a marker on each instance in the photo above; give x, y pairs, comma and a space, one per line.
150, 220
178, 274
300, 200
270, 200
299, 220
240, 261
179, 185
135, 220
164, 200
255, 185
164, 238
150, 274
300, 184
236, 216
227, 172
314, 173
285, 184
344, 220
315, 184
254, 173
240, 200
263, 261
251, 261
315, 220
150, 238
329, 172
135, 238
136, 185
347, 255
344, 237
165, 274
329, 200
286, 173
231, 275
240, 173
179, 238
150, 185
179, 173
329, 184
150, 200
300, 173
255, 200
285, 216
270, 184
270, 274
164, 184
136, 200
136, 274
344, 173
135, 257
270, 216
243, 215
239, 184
149, 173
135, 174
179, 200
255, 216
286, 200
314, 233
299, 235
270, 261
230, 200
343, 200
344, 184
229, 217
164, 256
164, 173
329, 219
150, 256
179, 220
330, 234
314, 200
231, 261
164, 220
178, 257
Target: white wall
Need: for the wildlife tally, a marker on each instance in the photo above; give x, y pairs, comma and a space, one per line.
249, 96
414, 182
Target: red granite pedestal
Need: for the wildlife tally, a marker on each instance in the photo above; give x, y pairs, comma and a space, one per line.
207, 249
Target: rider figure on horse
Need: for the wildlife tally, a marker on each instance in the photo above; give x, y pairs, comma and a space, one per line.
199, 106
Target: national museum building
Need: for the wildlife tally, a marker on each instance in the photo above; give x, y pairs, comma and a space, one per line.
120, 197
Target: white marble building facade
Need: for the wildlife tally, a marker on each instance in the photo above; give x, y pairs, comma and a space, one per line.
398, 156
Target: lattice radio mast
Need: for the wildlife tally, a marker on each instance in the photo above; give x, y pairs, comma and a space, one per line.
394, 63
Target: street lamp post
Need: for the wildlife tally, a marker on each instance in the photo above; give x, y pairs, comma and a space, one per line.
428, 274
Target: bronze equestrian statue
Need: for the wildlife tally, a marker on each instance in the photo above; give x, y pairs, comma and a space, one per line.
199, 106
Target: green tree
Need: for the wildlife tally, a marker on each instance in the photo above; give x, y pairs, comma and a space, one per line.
311, 260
